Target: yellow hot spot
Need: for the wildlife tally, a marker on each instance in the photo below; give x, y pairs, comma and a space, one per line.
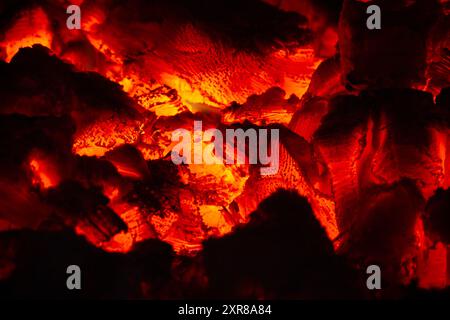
213, 217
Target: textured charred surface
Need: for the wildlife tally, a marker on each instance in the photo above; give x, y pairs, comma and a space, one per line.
86, 119
379, 138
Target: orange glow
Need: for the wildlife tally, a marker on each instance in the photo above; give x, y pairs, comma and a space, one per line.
43, 173
31, 28
341, 147
121, 242
104, 136
213, 217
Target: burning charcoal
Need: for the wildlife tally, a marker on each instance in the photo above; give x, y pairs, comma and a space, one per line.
194, 50
300, 169
395, 55
326, 82
52, 87
407, 115
382, 231
155, 207
129, 162
43, 79
437, 216
87, 146
86, 58
282, 252
22, 24
221, 20
382, 145
94, 172
104, 115
307, 120
20, 206
439, 57
327, 79
270, 107
87, 208
30, 150
156, 141
442, 125
322, 18
338, 141
157, 191
438, 71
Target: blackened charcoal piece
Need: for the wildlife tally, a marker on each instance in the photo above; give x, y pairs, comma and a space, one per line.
37, 83
158, 194
152, 265
383, 229
10, 12
19, 135
395, 55
41, 260
282, 252
88, 208
24, 142
403, 139
443, 100
339, 140
92, 172
376, 138
439, 52
439, 69
20, 207
437, 216
263, 28
322, 18
129, 162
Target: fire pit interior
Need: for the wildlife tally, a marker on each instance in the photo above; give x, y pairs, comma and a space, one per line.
361, 118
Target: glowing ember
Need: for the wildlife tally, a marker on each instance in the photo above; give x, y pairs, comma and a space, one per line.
33, 27
363, 148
